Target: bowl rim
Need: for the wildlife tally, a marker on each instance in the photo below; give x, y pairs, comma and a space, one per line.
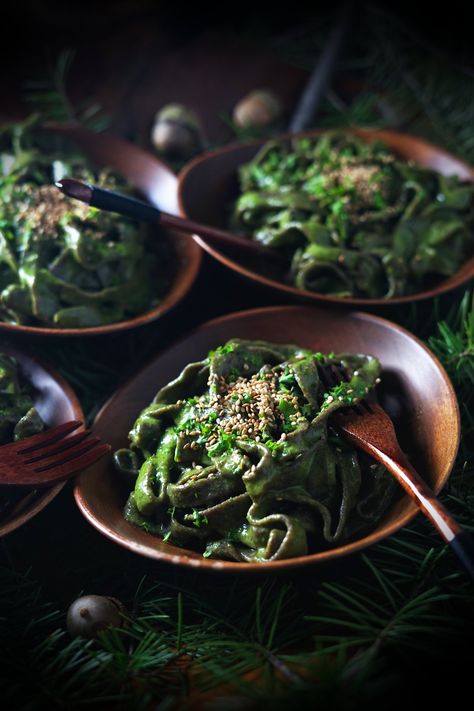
185, 277
52, 491
288, 563
236, 266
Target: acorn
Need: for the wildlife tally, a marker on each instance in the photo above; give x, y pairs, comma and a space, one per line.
257, 109
177, 131
90, 614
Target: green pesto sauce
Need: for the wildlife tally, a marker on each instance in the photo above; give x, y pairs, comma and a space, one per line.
62, 263
237, 456
18, 419
353, 218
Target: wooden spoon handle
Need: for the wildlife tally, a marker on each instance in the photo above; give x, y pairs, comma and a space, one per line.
111, 201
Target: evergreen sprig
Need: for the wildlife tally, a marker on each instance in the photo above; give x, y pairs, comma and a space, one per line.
402, 611
49, 97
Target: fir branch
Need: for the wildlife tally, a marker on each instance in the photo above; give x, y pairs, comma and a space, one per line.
284, 643
454, 345
49, 97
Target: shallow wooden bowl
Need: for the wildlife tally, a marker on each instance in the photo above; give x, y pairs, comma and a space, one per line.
415, 390
208, 185
156, 182
56, 403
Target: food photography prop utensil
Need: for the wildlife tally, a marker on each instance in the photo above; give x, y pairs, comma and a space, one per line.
320, 77
415, 390
208, 186
145, 173
57, 404
369, 427
49, 457
112, 201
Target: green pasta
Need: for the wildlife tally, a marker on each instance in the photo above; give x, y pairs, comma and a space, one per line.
18, 418
354, 219
64, 264
236, 456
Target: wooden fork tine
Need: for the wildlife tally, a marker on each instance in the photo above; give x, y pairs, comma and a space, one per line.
58, 472
79, 463
65, 455
59, 446
334, 374
37, 442
328, 377
340, 372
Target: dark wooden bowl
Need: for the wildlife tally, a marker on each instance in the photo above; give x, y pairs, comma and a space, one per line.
208, 186
156, 182
57, 403
415, 390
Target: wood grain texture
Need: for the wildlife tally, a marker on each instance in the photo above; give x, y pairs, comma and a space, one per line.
373, 432
57, 403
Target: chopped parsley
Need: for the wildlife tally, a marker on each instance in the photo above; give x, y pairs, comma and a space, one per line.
199, 519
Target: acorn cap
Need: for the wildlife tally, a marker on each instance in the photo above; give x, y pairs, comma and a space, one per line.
178, 113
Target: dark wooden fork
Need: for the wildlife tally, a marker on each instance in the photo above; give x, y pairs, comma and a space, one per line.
369, 427
49, 457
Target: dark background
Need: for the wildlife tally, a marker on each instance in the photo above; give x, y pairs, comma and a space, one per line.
66, 554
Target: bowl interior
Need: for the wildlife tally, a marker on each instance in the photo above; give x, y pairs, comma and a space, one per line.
56, 403
415, 390
209, 185
156, 182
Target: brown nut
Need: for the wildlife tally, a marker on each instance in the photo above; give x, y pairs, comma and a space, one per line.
259, 108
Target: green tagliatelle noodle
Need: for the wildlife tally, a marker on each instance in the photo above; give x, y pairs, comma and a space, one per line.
236, 457
18, 418
64, 264
355, 219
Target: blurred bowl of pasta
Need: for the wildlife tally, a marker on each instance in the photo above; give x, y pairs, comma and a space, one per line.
67, 269
364, 217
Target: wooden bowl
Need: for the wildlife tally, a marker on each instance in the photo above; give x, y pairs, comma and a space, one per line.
208, 185
56, 402
415, 390
155, 181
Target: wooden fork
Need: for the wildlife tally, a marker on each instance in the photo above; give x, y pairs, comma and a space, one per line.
369, 427
50, 456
